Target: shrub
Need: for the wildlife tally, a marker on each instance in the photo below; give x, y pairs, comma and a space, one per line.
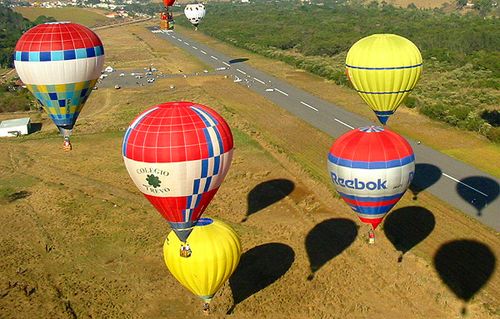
494, 134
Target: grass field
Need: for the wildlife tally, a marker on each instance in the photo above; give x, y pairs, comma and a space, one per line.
468, 147
79, 240
87, 17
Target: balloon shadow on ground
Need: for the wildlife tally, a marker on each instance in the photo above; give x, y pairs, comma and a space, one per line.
425, 176
259, 267
327, 240
238, 60
266, 194
35, 127
479, 191
406, 227
464, 266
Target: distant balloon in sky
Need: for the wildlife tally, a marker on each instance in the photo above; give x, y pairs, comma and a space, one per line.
371, 168
194, 13
216, 252
60, 62
178, 154
384, 68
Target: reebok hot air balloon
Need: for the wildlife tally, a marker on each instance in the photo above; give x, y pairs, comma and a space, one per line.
216, 252
371, 168
384, 68
195, 13
178, 154
59, 62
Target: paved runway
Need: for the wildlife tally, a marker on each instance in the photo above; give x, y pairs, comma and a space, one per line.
468, 189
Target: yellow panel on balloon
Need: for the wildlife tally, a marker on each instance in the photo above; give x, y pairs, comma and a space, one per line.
384, 68
215, 252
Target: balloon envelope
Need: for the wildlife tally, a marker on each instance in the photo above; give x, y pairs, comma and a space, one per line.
216, 252
178, 154
168, 3
371, 168
194, 13
384, 68
60, 62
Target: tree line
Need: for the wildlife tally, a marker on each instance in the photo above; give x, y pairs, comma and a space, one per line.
12, 26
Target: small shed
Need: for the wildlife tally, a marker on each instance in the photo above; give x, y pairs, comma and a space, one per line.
15, 127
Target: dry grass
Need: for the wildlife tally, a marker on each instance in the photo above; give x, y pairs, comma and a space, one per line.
84, 242
87, 17
133, 46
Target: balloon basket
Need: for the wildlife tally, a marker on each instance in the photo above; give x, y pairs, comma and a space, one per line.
371, 237
185, 251
67, 146
206, 308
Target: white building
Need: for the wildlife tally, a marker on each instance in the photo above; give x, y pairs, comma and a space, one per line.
108, 69
15, 127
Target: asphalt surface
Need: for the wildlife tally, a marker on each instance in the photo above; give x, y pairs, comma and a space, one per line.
468, 189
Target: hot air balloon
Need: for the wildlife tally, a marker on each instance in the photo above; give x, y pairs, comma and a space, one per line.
371, 168
216, 251
178, 154
384, 68
167, 18
59, 62
195, 13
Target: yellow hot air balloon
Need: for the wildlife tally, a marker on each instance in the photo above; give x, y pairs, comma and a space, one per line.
215, 253
384, 68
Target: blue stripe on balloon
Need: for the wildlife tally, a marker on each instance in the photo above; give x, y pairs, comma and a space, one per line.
205, 115
384, 68
207, 184
395, 92
125, 141
60, 55
372, 210
384, 112
208, 139
366, 199
198, 200
216, 165
196, 186
219, 140
202, 115
370, 165
204, 168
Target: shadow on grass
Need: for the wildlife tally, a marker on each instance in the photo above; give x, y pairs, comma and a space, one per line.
465, 266
408, 226
266, 194
327, 240
259, 267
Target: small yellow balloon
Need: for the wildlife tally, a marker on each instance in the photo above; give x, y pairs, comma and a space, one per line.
214, 253
384, 68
